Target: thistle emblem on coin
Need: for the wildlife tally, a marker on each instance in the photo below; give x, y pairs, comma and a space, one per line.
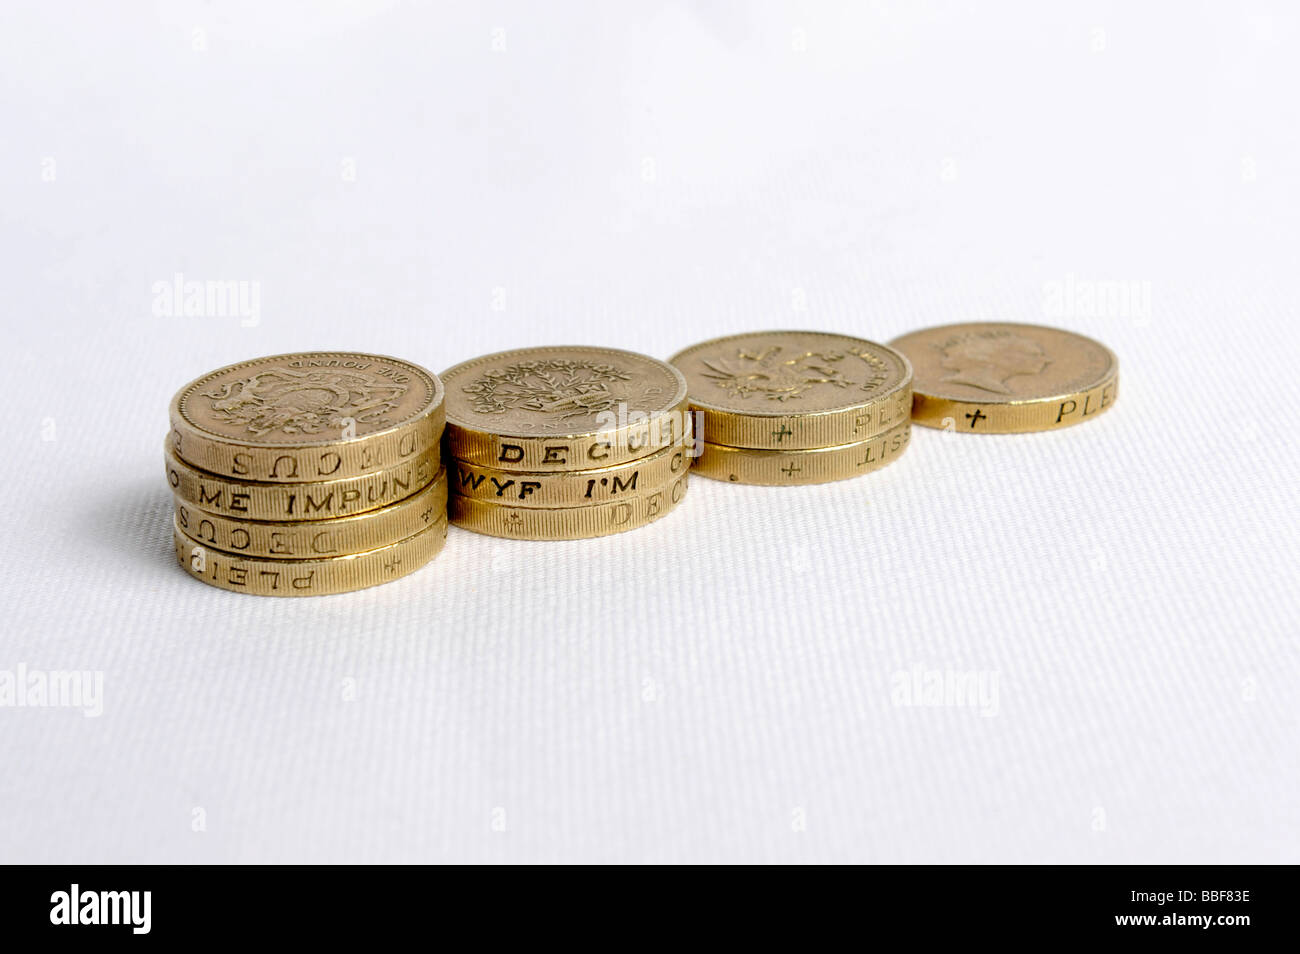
560, 387
988, 359
304, 402
775, 374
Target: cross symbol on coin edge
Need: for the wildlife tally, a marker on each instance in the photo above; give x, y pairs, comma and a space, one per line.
975, 418
782, 434
791, 469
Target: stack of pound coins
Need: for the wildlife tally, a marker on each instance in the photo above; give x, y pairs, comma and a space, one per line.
796, 407
307, 474
562, 443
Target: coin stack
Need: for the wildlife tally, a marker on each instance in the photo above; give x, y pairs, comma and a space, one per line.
796, 407
562, 443
306, 474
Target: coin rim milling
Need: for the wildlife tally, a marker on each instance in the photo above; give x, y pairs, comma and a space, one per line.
355, 533
350, 572
757, 467
562, 489
260, 494
538, 451
750, 426
560, 523
212, 448
1010, 414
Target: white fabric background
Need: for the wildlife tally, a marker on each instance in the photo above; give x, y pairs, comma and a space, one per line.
718, 686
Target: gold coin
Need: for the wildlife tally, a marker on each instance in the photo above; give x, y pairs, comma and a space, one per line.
1003, 378
318, 500
340, 574
307, 417
562, 408
567, 523
574, 488
317, 538
820, 465
793, 390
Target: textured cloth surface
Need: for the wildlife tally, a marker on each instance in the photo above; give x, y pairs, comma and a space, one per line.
736, 682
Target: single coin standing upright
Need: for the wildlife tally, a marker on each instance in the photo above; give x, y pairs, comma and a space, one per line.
1005, 378
796, 407
573, 441
306, 474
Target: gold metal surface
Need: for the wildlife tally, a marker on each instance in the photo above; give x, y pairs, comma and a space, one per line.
574, 488
793, 390
317, 538
562, 408
318, 500
813, 466
317, 577
570, 523
307, 417
1003, 378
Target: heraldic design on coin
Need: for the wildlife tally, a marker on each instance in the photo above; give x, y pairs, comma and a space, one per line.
304, 402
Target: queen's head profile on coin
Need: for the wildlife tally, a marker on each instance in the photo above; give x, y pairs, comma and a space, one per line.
1005, 377
988, 359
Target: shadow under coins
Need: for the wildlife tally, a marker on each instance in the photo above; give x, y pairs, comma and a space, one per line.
133, 521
